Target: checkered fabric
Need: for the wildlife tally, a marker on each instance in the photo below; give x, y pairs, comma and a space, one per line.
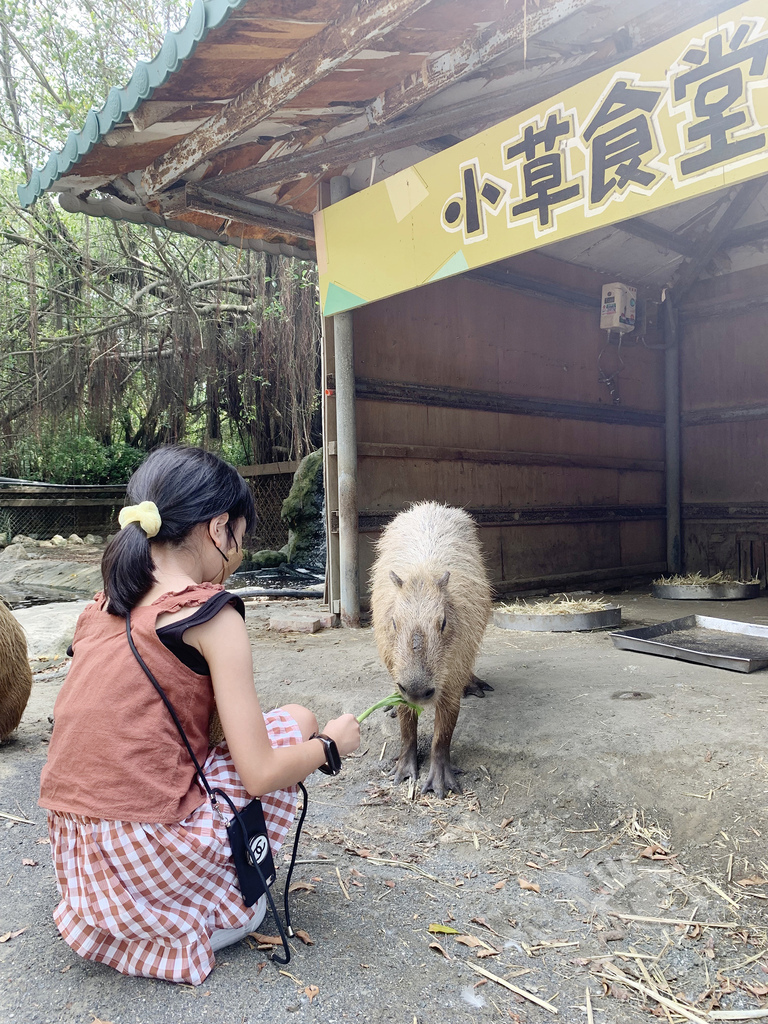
145, 899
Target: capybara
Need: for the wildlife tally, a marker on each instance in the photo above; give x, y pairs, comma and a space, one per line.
431, 600
15, 673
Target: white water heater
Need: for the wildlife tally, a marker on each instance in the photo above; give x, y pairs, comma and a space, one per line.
618, 308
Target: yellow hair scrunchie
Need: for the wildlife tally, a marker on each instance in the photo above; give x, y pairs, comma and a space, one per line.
145, 514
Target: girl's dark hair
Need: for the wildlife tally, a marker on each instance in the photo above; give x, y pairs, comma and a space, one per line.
189, 486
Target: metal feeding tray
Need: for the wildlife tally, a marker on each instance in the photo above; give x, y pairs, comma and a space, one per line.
706, 591
722, 643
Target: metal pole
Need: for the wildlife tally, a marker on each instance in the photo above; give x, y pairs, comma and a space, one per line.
672, 434
346, 450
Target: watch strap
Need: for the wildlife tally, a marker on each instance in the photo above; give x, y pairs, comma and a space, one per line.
332, 764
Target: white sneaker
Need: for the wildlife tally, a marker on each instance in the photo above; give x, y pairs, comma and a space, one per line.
228, 936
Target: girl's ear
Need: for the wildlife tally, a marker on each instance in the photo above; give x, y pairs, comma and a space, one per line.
217, 524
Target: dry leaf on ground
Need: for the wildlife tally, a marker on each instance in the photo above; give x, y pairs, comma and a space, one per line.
302, 887
442, 929
528, 886
439, 949
7, 936
266, 940
304, 936
656, 852
311, 990
28, 862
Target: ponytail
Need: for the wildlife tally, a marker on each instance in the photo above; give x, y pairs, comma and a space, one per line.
189, 486
128, 569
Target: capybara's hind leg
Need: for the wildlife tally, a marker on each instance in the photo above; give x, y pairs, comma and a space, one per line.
442, 774
476, 687
407, 765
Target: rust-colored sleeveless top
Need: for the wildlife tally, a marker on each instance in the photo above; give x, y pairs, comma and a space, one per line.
115, 752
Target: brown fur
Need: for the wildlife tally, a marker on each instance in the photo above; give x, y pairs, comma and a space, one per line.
431, 601
15, 673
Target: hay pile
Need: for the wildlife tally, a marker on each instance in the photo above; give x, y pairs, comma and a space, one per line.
697, 579
561, 604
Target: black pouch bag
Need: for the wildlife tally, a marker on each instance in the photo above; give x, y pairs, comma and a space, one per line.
251, 852
247, 829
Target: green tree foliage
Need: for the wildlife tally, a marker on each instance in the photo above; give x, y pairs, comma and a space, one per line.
116, 338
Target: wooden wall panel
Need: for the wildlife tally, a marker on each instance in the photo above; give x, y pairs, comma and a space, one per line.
724, 375
726, 462
643, 542
467, 334
529, 552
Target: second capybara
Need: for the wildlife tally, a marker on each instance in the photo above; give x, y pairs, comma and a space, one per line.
431, 600
15, 673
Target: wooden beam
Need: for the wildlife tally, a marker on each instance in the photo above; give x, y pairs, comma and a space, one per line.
731, 215
269, 469
248, 211
747, 235
477, 114
734, 414
370, 390
659, 236
479, 49
372, 520
502, 277
337, 42
434, 453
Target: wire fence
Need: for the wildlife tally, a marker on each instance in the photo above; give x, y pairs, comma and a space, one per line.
41, 511
269, 493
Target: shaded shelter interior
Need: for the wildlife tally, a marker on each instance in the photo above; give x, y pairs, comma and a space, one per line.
498, 391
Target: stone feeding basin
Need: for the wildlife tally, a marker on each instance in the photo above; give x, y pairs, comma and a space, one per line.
559, 615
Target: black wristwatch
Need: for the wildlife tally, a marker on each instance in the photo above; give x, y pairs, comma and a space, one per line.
332, 764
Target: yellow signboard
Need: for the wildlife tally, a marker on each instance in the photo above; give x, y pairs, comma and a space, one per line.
684, 118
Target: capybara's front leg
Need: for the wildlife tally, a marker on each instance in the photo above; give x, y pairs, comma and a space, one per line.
442, 774
407, 765
476, 687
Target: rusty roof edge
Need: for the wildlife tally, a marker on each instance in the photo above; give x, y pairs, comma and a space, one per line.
147, 76
117, 209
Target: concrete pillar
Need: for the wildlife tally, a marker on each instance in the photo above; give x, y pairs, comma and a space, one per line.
346, 450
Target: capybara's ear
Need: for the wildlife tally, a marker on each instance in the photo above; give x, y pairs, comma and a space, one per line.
442, 582
395, 579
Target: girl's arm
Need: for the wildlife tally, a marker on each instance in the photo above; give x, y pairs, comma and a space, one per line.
224, 643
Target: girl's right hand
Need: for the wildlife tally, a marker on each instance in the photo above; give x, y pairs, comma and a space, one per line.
345, 732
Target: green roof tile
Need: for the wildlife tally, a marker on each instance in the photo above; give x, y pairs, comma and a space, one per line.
177, 47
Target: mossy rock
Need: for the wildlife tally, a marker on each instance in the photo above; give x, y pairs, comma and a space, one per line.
302, 512
265, 559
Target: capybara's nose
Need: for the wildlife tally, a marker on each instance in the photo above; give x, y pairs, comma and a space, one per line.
416, 692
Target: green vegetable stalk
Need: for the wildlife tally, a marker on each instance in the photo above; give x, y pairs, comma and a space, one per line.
392, 701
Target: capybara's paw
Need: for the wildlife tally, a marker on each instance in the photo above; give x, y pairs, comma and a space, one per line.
406, 768
476, 687
442, 779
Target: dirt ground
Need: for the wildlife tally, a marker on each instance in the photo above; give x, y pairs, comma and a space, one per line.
607, 859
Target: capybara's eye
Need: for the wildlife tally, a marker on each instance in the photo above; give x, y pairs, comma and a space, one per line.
394, 625
442, 627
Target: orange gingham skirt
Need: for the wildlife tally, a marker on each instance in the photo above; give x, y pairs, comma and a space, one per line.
145, 899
